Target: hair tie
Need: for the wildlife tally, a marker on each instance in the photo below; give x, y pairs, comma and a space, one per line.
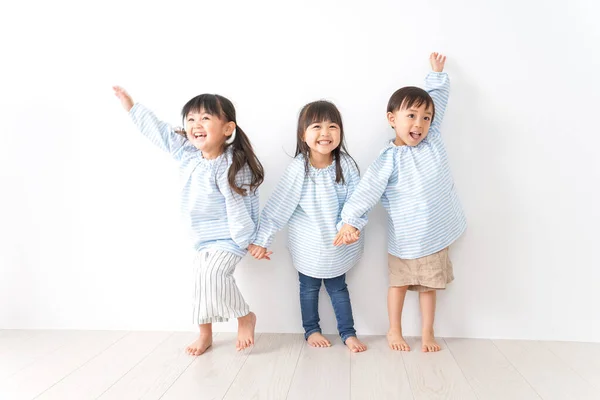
232, 137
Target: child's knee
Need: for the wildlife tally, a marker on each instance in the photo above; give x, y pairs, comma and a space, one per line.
337, 288
398, 289
308, 290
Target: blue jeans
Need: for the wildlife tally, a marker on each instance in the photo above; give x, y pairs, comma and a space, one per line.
340, 299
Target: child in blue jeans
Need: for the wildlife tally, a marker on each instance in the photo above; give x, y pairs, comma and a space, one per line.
310, 197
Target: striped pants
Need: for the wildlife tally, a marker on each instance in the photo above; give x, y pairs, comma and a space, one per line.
216, 295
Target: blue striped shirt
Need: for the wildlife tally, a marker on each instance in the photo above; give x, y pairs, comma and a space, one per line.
215, 215
415, 187
311, 204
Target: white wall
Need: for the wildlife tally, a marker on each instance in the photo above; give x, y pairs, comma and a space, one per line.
89, 227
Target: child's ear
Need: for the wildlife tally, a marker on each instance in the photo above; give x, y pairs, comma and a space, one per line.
391, 119
229, 128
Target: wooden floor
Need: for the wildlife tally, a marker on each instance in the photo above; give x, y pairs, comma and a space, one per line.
153, 365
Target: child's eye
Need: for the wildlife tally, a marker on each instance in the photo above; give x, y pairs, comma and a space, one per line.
427, 118
190, 119
411, 115
205, 118
316, 126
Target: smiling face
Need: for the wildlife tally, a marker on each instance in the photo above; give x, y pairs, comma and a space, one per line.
320, 132
322, 138
411, 124
410, 112
208, 132
207, 124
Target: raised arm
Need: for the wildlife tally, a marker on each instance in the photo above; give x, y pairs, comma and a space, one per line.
159, 132
437, 85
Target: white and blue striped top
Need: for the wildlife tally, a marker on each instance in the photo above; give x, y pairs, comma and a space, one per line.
215, 215
416, 188
312, 204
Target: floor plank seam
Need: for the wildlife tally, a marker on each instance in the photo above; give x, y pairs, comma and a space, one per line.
241, 367
350, 374
176, 379
82, 365
412, 393
461, 370
182, 372
568, 365
295, 369
35, 359
135, 365
516, 369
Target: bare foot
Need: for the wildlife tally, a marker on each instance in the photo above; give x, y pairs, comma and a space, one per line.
396, 341
246, 325
355, 345
200, 345
318, 340
429, 344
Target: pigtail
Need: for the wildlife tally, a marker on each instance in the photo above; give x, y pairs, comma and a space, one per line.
243, 154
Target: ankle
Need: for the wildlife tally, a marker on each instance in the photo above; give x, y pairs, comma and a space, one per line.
247, 319
206, 330
427, 332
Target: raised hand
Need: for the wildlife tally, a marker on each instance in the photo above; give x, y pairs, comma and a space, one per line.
437, 61
126, 100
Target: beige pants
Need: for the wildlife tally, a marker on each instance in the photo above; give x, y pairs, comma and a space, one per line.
423, 274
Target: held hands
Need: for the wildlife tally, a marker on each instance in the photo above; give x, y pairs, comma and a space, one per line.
437, 61
126, 100
259, 252
347, 235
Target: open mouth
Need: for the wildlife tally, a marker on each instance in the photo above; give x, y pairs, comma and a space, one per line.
324, 142
198, 135
415, 135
